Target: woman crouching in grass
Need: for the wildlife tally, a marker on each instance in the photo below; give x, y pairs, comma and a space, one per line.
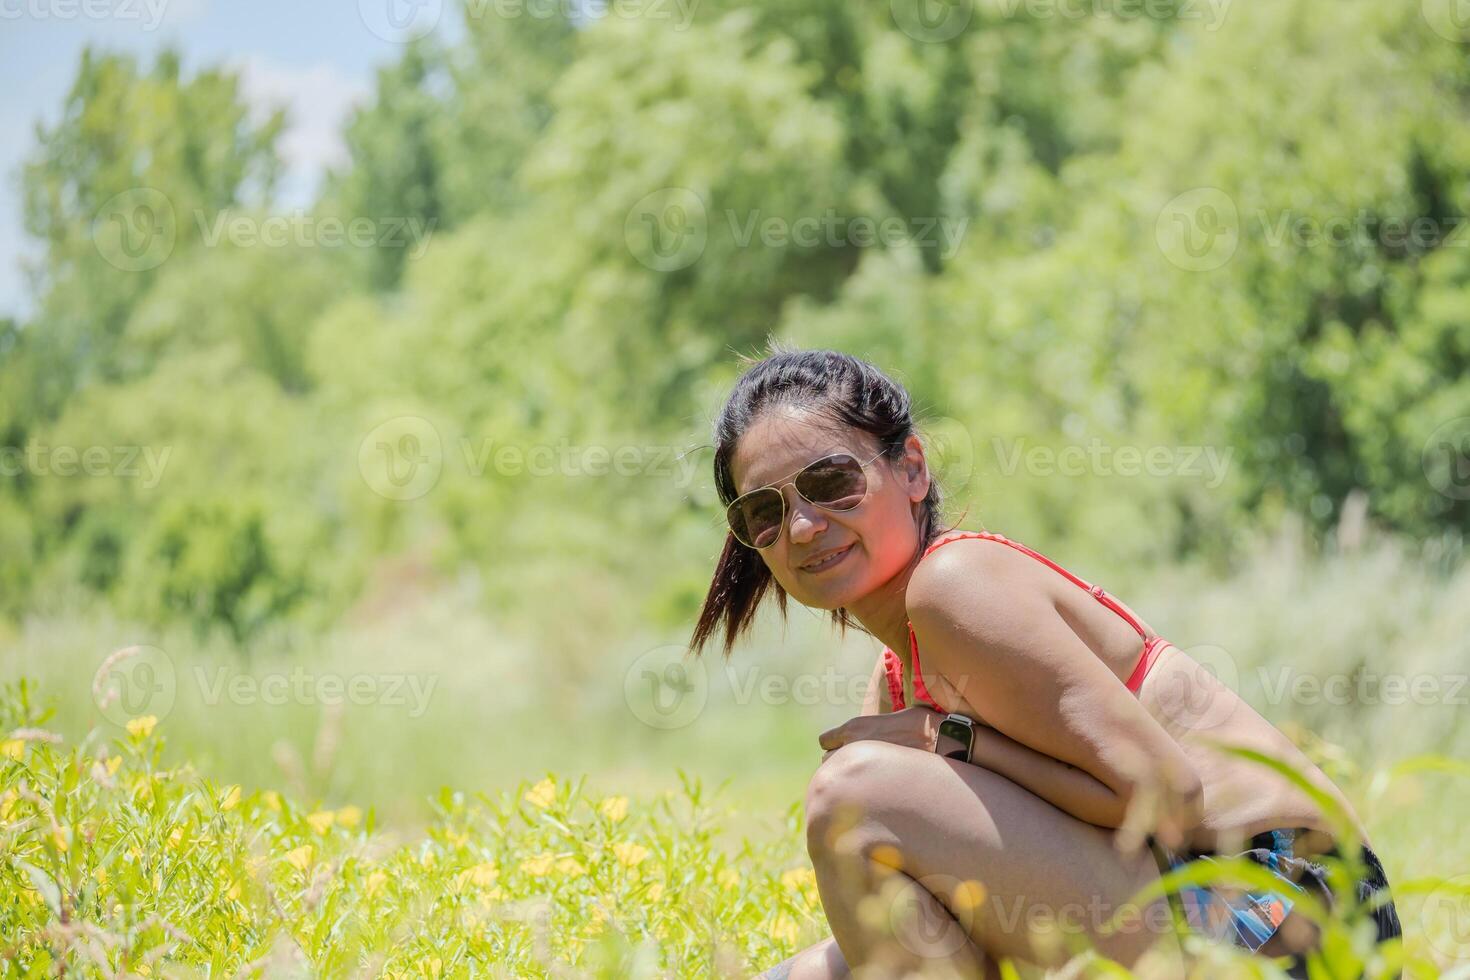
1004, 782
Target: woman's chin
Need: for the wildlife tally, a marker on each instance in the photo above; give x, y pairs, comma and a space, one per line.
829, 598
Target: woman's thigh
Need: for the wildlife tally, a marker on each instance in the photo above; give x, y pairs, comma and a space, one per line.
946, 822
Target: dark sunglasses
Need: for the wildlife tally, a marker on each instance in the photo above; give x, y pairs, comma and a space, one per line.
835, 482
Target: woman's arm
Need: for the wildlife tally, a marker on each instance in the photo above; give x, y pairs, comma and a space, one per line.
875, 702
1061, 784
1061, 723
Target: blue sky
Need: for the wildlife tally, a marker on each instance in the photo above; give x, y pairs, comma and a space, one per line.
317, 58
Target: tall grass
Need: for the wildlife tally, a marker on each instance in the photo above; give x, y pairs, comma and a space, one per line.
505, 710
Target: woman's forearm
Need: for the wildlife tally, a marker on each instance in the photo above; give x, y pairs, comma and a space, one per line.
1062, 785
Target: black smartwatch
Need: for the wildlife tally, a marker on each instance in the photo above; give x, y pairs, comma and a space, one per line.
962, 730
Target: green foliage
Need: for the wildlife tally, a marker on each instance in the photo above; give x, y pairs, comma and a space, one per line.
210, 561
601, 214
116, 863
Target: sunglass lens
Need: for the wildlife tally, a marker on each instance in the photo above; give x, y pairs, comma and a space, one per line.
755, 519
836, 483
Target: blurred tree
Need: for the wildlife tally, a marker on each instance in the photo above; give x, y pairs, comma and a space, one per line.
122, 184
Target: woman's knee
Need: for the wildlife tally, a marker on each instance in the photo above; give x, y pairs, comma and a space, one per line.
848, 787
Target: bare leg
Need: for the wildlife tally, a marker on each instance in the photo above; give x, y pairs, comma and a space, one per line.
820, 961
986, 869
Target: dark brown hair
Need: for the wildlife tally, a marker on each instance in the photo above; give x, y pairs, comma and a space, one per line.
838, 387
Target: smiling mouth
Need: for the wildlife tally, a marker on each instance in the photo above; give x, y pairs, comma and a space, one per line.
827, 562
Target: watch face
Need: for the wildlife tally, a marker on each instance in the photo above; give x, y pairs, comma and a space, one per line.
961, 733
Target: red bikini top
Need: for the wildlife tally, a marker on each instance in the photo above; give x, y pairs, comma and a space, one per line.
893, 666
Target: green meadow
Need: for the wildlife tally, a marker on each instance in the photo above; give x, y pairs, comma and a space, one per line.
351, 536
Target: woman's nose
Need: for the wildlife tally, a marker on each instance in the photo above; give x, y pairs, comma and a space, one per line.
805, 521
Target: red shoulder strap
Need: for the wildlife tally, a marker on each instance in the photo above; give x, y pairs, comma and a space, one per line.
1097, 591
893, 670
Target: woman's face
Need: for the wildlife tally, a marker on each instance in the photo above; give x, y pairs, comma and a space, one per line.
879, 535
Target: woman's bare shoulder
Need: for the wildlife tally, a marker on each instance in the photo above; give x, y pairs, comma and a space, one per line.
949, 580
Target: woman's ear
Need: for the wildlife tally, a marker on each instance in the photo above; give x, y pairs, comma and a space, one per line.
915, 469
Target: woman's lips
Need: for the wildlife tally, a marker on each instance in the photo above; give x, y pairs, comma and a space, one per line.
831, 561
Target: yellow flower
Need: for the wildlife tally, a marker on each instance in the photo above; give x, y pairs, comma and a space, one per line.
570, 866
599, 918
375, 883
727, 878
615, 808
783, 929
100, 874
234, 891
538, 865
12, 748
143, 970
300, 858
798, 879
61, 836
7, 803
349, 816
543, 794
112, 765
321, 821
230, 799
431, 967
656, 891
630, 855
272, 800
176, 837
480, 875
142, 727
968, 896
886, 859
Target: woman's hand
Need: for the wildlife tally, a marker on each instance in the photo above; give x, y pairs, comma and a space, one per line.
916, 727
